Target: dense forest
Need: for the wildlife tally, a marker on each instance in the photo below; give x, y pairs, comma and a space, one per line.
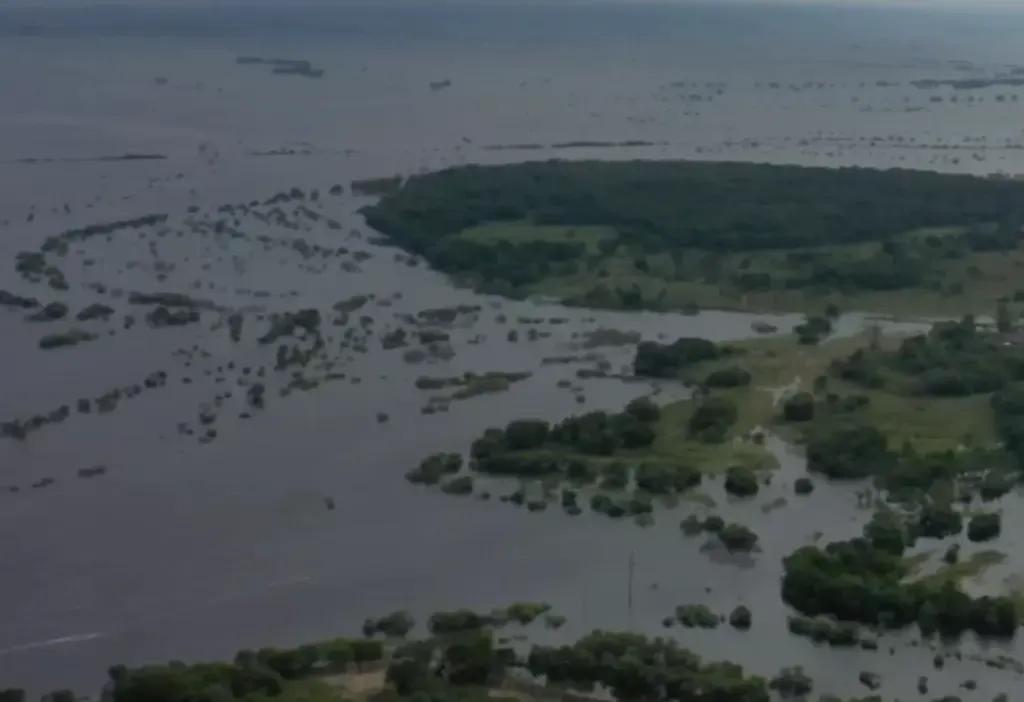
682, 209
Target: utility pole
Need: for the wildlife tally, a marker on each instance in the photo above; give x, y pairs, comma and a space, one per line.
629, 595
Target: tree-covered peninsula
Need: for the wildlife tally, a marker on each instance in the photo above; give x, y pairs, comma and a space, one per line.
678, 234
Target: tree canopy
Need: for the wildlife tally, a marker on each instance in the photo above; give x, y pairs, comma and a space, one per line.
671, 207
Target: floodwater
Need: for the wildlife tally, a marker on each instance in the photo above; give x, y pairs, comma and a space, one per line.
190, 550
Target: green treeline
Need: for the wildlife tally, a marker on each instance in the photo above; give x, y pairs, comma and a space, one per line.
863, 580
460, 660
675, 207
594, 434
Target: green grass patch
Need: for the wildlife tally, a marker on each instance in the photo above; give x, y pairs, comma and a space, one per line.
674, 442
311, 691
969, 283
927, 423
970, 568
522, 232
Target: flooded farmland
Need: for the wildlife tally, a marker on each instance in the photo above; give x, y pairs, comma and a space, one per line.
155, 509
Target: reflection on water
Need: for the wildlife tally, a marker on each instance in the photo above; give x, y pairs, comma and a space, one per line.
188, 551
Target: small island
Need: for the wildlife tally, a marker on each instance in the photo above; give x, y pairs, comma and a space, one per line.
283, 66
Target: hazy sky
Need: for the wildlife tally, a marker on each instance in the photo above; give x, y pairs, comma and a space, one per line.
923, 4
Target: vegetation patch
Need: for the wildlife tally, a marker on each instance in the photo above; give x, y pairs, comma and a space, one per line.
679, 234
866, 581
471, 385
72, 337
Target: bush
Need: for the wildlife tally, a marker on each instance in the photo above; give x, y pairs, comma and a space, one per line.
394, 625
737, 537
803, 486
666, 478
655, 360
712, 419
644, 409
697, 616
525, 434
741, 618
984, 527
455, 622
691, 525
435, 467
799, 408
730, 377
459, 485
792, 682
526, 612
741, 482
848, 450
937, 521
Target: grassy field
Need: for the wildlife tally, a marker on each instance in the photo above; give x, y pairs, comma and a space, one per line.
522, 232
971, 567
969, 283
927, 423
674, 443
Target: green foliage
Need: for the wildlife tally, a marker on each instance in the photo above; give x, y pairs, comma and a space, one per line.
526, 612
661, 207
1008, 410
798, 408
824, 630
434, 468
516, 450
459, 485
712, 419
803, 486
554, 621
847, 450
792, 682
458, 664
737, 537
526, 434
729, 377
984, 527
656, 360
694, 525
938, 520
886, 532
741, 482
741, 618
394, 625
697, 616
644, 409
864, 580
954, 359
470, 658
634, 667
252, 675
662, 478
458, 621
813, 329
